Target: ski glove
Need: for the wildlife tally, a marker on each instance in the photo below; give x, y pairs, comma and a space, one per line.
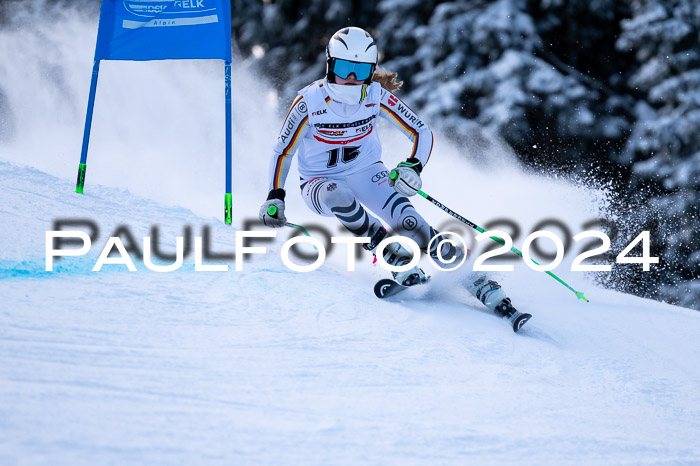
272, 211
405, 178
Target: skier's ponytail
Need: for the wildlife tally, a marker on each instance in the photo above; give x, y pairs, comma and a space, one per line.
387, 79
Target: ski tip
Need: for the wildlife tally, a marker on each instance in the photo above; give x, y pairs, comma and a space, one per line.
386, 287
520, 321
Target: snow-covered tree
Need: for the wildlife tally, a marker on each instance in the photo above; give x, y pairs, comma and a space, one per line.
663, 150
602, 88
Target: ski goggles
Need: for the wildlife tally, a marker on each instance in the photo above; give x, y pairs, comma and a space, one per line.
343, 69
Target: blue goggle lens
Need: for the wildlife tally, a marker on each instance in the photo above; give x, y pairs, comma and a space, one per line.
343, 68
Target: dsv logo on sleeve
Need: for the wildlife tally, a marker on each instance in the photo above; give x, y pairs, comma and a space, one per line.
156, 13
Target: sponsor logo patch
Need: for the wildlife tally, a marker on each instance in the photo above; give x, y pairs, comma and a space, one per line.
409, 223
154, 7
364, 129
410, 116
331, 133
380, 176
289, 127
353, 124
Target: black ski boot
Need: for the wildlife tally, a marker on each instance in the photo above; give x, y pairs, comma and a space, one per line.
516, 318
397, 255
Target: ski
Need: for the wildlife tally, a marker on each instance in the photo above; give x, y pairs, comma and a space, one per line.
515, 317
387, 287
518, 319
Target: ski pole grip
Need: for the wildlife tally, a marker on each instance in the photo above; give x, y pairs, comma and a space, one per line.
394, 174
272, 211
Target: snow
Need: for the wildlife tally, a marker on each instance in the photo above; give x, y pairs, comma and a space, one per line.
269, 366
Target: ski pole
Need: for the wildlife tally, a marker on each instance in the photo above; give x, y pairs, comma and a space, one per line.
272, 212
394, 175
298, 227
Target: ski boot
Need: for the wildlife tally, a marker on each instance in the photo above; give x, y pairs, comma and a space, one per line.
515, 317
490, 293
449, 254
397, 255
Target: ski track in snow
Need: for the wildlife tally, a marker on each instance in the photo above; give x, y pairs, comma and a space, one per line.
271, 366
268, 366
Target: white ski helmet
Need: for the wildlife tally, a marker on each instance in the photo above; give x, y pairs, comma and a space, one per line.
351, 50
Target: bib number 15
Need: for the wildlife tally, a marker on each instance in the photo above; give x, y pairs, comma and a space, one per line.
348, 155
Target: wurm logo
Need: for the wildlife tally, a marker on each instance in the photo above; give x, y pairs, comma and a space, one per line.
169, 13
410, 116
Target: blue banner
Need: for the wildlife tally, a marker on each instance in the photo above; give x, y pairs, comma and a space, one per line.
164, 29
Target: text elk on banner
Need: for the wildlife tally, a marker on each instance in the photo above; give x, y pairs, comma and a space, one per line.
163, 30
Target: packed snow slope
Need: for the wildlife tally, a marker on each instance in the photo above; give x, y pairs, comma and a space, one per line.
270, 366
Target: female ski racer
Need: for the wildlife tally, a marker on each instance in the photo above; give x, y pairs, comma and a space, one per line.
333, 126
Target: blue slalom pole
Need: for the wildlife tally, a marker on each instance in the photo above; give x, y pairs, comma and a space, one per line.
88, 125
227, 196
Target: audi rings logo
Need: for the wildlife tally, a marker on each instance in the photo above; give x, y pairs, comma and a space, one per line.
380, 176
